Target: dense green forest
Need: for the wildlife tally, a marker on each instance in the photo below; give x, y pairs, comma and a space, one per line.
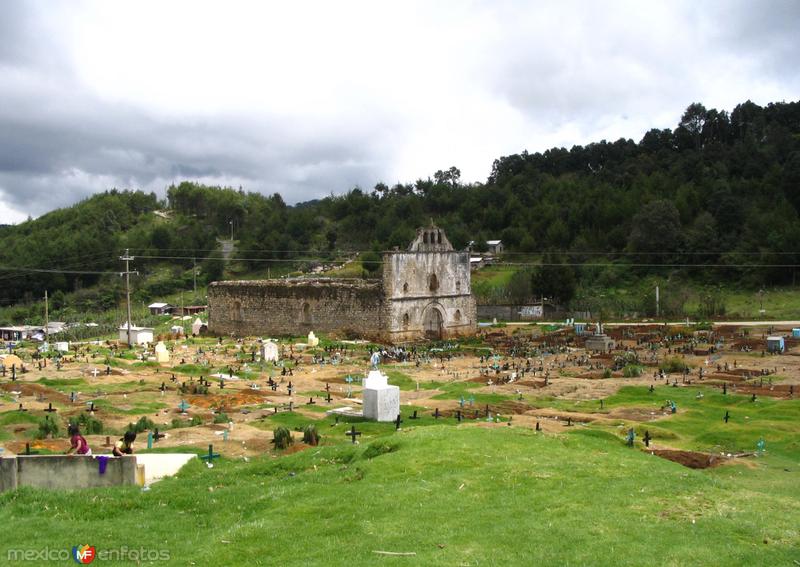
714, 199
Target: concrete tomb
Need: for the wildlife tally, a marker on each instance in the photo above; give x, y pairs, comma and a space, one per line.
162, 354
269, 351
381, 400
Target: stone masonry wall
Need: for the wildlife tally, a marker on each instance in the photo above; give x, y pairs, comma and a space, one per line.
408, 279
296, 306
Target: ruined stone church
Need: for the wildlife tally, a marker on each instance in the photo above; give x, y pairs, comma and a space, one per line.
424, 293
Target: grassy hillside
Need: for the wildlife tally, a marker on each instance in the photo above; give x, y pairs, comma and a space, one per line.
460, 495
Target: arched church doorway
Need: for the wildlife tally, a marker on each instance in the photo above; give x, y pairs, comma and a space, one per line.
432, 324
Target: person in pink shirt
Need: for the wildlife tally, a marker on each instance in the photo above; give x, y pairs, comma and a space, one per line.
77, 442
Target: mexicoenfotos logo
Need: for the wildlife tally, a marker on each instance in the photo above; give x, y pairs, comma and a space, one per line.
84, 554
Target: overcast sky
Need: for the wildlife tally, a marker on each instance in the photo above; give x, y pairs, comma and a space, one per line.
308, 98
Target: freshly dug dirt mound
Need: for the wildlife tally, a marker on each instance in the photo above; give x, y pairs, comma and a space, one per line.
637, 414
691, 459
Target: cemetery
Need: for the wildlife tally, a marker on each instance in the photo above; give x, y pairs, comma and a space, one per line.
676, 424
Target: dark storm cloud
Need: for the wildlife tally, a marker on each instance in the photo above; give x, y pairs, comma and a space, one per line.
59, 143
494, 78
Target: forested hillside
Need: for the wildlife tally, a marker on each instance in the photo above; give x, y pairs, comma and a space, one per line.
715, 198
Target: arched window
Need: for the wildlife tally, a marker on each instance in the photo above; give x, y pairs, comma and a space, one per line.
306, 313
457, 316
405, 320
238, 312
433, 282
438, 237
405, 288
425, 237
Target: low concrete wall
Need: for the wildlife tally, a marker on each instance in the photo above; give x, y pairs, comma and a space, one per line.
65, 472
159, 465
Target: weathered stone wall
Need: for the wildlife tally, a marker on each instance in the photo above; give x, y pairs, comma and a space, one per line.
425, 292
419, 283
296, 306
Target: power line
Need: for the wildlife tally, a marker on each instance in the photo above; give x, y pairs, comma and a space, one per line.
520, 264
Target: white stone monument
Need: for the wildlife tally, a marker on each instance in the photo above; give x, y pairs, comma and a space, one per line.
162, 354
381, 401
312, 339
196, 326
269, 351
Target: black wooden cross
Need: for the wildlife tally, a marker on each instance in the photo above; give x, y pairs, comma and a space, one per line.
21, 408
414, 415
538, 427
92, 409
647, 438
436, 414
727, 416
211, 454
327, 387
397, 422
274, 386
458, 416
311, 402
163, 387
487, 411
353, 434
221, 384
108, 370
157, 435
28, 450
50, 408
328, 397
569, 422
13, 372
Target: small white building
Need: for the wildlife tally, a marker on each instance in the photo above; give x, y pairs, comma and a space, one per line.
139, 335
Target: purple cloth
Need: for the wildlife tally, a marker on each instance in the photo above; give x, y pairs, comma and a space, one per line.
103, 463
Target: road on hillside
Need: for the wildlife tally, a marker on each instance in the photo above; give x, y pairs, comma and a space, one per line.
227, 248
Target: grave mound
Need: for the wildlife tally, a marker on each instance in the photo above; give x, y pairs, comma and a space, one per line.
691, 459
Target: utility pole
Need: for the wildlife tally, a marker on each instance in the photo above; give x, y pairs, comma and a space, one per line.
127, 273
657, 304
46, 321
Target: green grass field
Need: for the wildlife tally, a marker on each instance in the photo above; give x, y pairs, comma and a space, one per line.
462, 495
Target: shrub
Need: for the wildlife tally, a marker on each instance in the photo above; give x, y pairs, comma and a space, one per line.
282, 438
607, 373
48, 428
673, 364
311, 435
143, 424
89, 424
632, 371
221, 418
